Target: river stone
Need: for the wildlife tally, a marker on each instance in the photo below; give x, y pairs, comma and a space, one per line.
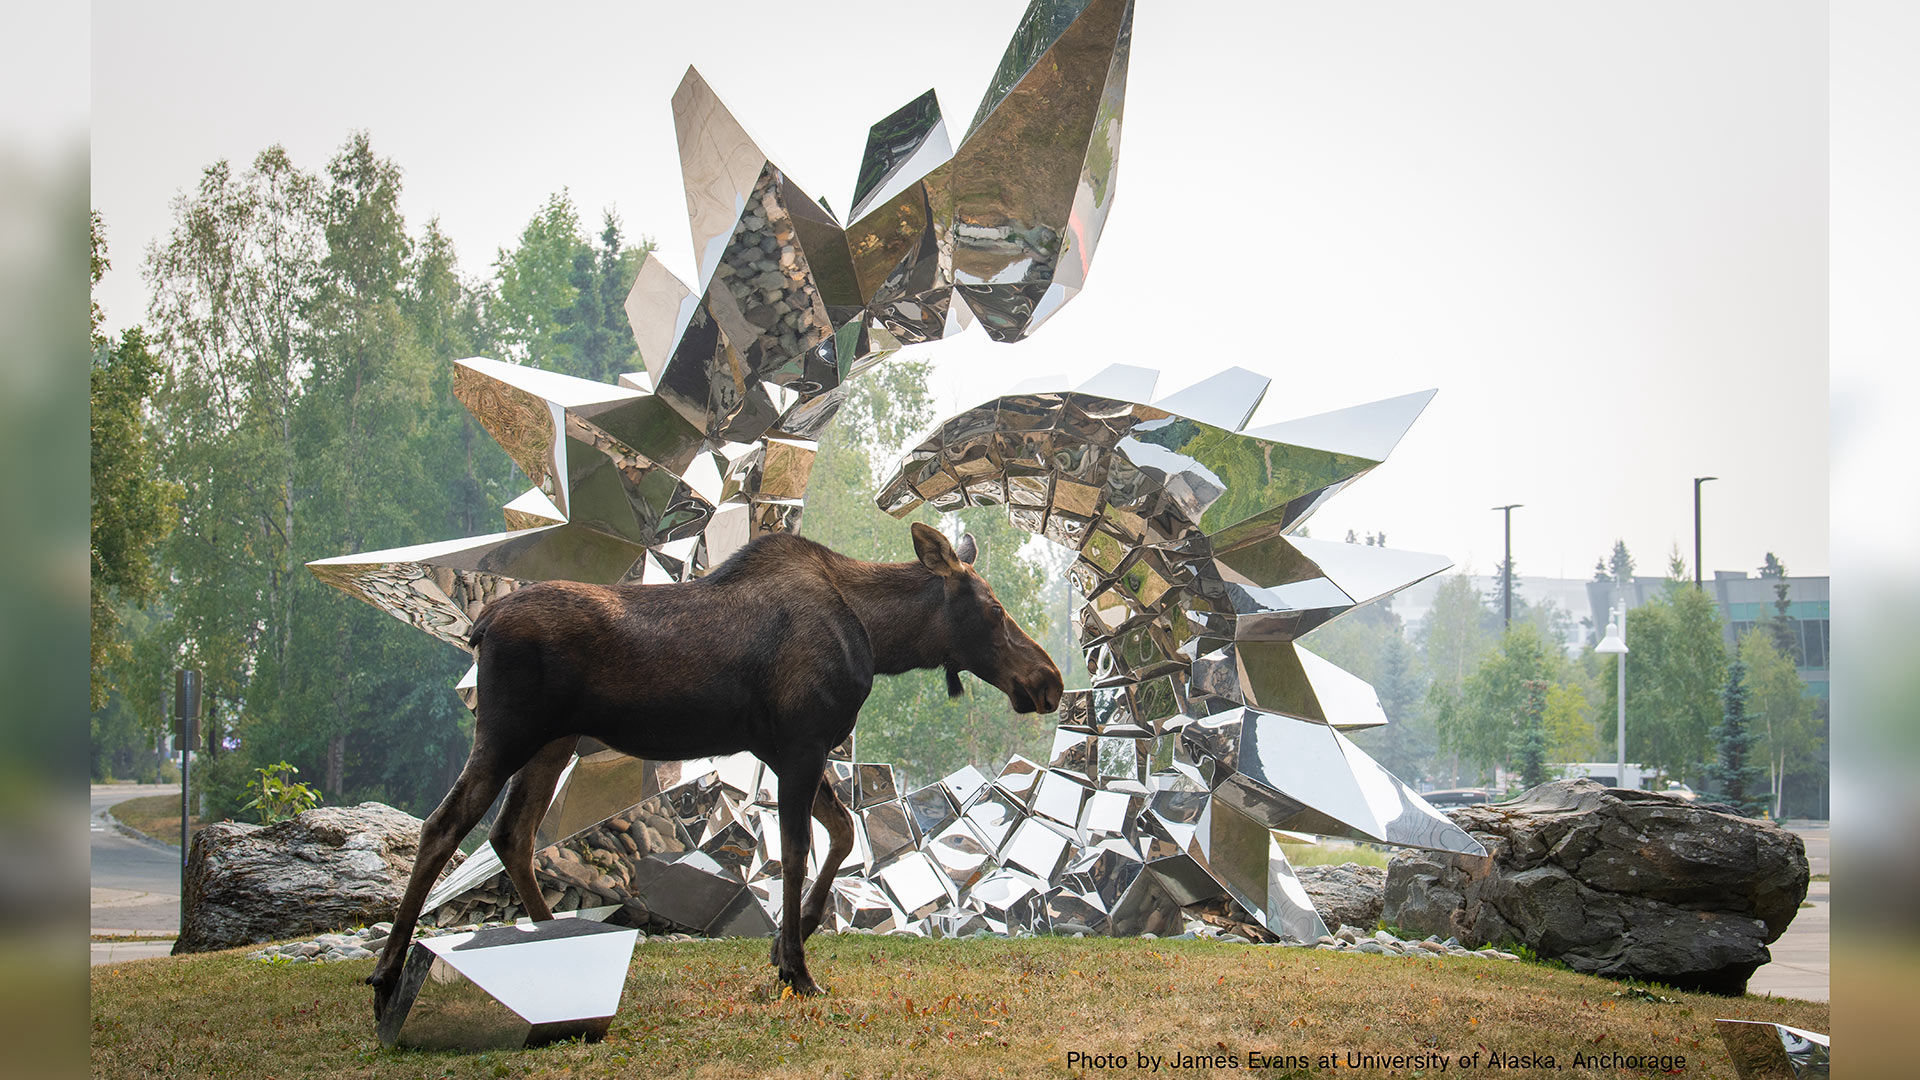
1347, 895
327, 868
1614, 882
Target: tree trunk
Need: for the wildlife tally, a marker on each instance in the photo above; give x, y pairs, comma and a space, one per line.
336, 763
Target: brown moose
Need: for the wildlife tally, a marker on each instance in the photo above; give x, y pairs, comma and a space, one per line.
773, 652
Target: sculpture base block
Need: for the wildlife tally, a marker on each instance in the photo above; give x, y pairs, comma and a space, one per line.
510, 987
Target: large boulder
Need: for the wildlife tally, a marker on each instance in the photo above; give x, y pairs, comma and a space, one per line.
322, 870
1627, 884
1347, 895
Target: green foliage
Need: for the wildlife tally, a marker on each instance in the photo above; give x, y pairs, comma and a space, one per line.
1530, 739
1783, 716
1482, 724
536, 284
132, 506
1569, 722
1458, 630
1780, 624
1736, 775
1675, 672
277, 796
306, 340
594, 340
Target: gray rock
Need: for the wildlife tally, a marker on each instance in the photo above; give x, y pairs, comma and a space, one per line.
329, 867
1627, 884
1347, 895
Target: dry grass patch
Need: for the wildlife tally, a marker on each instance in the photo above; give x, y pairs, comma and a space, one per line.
909, 1008
158, 816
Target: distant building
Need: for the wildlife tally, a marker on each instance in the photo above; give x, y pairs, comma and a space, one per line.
1744, 603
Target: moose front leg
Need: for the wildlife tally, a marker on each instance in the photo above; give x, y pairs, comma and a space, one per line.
486, 771
832, 813
797, 788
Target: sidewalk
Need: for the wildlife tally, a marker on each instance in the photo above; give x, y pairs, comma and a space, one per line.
1801, 965
151, 943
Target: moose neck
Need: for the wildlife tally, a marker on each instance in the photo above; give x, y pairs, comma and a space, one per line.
900, 606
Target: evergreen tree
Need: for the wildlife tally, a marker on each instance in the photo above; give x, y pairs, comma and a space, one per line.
1620, 563
1530, 737
1786, 636
1736, 776
532, 311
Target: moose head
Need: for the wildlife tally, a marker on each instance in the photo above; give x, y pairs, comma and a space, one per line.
980, 636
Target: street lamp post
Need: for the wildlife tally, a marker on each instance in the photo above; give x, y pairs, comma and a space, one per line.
1506, 578
1697, 481
1615, 644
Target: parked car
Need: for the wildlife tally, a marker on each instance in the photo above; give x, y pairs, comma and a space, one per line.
1457, 797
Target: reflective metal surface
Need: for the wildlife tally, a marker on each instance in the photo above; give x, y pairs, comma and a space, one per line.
1208, 726
510, 987
1765, 1051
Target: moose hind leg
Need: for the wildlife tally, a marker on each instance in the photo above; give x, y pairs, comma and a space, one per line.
528, 795
461, 810
832, 813
797, 788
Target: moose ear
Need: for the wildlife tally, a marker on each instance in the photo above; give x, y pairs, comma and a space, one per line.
969, 550
935, 553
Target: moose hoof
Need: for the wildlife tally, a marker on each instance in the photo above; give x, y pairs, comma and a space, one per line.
382, 995
803, 987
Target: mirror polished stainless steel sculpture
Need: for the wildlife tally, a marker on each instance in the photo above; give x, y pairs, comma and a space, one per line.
1208, 726
511, 987
1767, 1051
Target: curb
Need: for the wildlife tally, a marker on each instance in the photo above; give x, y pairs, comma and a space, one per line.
132, 833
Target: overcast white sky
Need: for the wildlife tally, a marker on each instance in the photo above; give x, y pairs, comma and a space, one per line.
1598, 229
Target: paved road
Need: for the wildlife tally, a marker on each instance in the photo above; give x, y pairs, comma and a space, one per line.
1800, 965
136, 883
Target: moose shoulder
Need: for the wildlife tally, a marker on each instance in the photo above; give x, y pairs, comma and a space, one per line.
774, 652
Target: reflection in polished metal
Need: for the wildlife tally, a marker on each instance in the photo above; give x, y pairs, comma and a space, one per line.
1767, 1051
510, 987
1208, 727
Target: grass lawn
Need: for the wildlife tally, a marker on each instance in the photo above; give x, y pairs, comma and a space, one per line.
902, 1007
1328, 854
156, 815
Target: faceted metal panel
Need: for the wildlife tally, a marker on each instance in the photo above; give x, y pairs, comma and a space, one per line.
1369, 431
1225, 400
1244, 855
510, 987
1008, 213
1767, 1051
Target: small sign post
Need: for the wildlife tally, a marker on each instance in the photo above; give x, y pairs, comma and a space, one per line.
186, 715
